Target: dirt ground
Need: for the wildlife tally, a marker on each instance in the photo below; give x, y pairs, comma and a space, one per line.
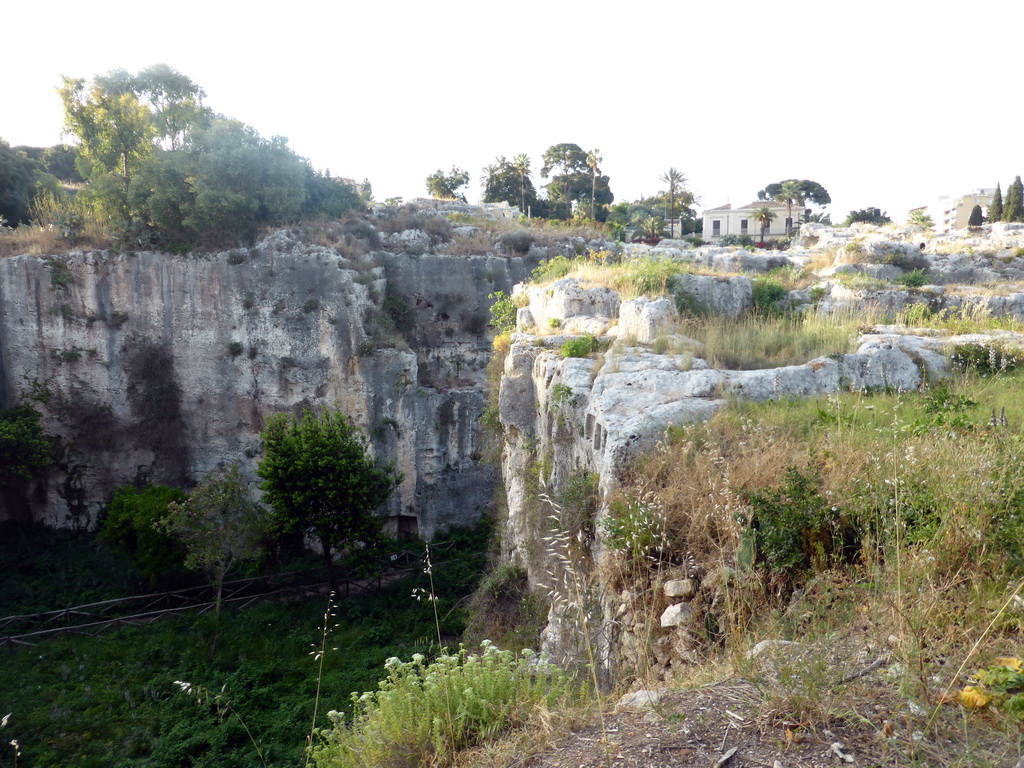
725, 726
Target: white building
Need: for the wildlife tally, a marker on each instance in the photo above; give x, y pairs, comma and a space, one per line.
726, 220
949, 214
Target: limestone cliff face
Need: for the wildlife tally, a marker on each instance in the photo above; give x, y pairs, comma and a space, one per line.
565, 418
151, 366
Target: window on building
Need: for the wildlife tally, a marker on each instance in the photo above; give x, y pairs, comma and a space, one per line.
716, 228
789, 224
743, 226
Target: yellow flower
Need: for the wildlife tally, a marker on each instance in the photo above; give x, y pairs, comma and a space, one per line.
1011, 662
974, 697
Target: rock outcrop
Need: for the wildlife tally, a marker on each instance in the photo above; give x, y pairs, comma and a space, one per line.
157, 367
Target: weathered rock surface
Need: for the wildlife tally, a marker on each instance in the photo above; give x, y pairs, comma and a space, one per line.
160, 367
564, 417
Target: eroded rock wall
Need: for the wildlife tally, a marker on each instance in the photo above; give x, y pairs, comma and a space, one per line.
157, 367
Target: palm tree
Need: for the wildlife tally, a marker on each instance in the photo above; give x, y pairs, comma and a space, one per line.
764, 216
650, 227
674, 179
593, 160
521, 163
490, 171
790, 192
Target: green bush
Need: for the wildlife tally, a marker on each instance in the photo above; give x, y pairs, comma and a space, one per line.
581, 346
794, 528
129, 528
912, 279
768, 292
24, 449
518, 242
503, 312
423, 713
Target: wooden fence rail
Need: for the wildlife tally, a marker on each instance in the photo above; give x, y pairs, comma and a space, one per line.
95, 618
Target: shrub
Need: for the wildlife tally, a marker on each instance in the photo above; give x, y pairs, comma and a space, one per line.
913, 279
768, 292
794, 528
423, 714
518, 242
552, 269
985, 359
581, 346
129, 528
24, 449
503, 312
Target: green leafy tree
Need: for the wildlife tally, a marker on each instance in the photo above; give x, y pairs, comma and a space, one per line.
445, 186
17, 184
976, 218
573, 181
114, 130
594, 160
995, 208
764, 216
319, 479
506, 182
921, 219
1013, 206
219, 525
24, 448
676, 186
867, 215
795, 192
129, 527
521, 165
223, 186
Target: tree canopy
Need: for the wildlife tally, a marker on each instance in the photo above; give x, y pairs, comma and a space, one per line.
219, 525
995, 208
1013, 205
868, 215
17, 184
445, 186
797, 192
509, 182
319, 479
170, 173
575, 181
24, 448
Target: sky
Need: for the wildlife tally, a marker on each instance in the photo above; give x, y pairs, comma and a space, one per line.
886, 104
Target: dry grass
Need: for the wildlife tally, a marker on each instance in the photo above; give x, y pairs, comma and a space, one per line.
932, 492
475, 244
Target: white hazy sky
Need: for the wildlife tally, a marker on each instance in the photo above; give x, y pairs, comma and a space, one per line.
886, 104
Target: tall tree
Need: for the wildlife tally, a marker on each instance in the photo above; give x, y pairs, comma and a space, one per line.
17, 185
219, 525
504, 181
445, 186
521, 164
572, 180
1013, 207
976, 217
594, 160
795, 191
319, 479
114, 131
675, 181
995, 208
764, 216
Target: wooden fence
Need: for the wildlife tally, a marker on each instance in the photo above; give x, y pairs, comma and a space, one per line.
96, 618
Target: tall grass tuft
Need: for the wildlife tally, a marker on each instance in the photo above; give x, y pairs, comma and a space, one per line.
424, 712
763, 341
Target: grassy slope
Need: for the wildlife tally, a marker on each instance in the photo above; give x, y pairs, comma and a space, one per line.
112, 700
